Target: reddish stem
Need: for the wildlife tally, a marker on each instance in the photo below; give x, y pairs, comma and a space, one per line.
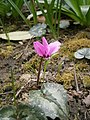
39, 70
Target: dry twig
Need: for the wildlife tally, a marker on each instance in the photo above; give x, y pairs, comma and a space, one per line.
76, 81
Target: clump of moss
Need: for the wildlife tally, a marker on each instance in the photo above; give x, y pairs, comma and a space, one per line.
66, 78
6, 52
32, 64
86, 81
71, 46
82, 66
11, 28
82, 34
7, 87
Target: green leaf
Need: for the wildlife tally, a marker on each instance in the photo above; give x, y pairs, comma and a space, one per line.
52, 99
33, 10
88, 17
7, 112
48, 16
29, 112
78, 10
75, 7
19, 12
85, 9
23, 112
71, 14
82, 2
4, 9
19, 4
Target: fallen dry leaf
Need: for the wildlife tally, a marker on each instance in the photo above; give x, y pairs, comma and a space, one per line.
18, 35
87, 100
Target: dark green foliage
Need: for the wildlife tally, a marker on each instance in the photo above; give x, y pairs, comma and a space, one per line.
6, 9
79, 10
22, 112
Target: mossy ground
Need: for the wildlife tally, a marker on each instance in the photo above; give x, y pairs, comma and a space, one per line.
66, 78
72, 45
5, 52
61, 66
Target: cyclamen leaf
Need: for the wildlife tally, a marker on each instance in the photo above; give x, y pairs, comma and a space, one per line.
81, 53
25, 112
38, 30
29, 112
78, 55
64, 24
7, 111
52, 99
88, 54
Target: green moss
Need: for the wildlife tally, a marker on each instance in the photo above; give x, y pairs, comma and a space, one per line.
66, 78
32, 64
11, 28
6, 52
7, 87
86, 81
71, 46
82, 66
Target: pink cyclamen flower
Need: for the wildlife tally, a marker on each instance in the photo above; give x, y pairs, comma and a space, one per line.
46, 50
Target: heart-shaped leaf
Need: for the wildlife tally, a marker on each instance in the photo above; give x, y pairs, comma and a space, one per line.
29, 112
81, 53
64, 24
25, 112
7, 112
52, 99
38, 30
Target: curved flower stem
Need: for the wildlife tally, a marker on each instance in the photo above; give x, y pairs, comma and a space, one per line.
39, 70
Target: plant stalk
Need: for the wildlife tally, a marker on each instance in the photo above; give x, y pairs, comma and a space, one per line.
5, 31
33, 9
39, 70
59, 16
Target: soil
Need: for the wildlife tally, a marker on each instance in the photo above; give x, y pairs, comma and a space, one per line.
64, 68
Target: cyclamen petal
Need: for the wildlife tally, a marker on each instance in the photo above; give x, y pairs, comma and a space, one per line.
46, 50
54, 47
44, 41
46, 46
39, 48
